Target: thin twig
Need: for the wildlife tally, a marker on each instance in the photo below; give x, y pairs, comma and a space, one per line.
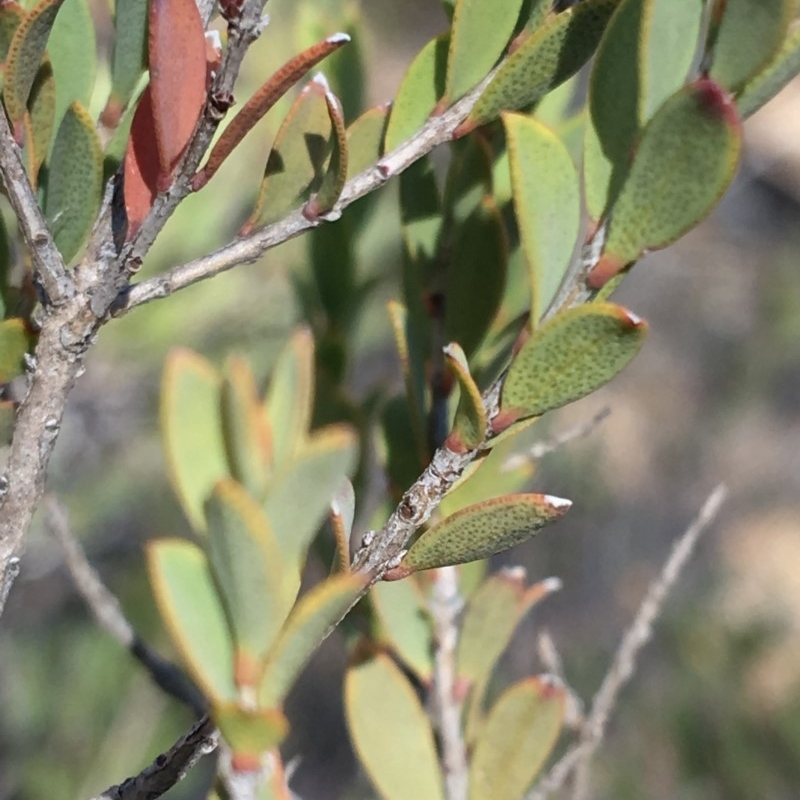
542, 448
47, 261
108, 613
623, 666
445, 606
247, 249
169, 768
6, 581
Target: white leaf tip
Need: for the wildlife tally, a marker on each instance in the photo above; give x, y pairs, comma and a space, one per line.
338, 38
552, 584
559, 503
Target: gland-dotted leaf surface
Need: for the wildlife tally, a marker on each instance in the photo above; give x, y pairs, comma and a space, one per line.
483, 529
546, 202
551, 55
75, 178
11, 14
745, 35
192, 431
772, 78
519, 735
479, 35
395, 746
404, 624
257, 587
684, 162
420, 90
40, 121
311, 619
644, 56
572, 355
25, 55
192, 610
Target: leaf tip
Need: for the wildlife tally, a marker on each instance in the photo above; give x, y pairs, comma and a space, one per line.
552, 584
338, 38
560, 504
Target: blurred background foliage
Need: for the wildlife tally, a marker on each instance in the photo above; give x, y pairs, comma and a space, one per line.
715, 396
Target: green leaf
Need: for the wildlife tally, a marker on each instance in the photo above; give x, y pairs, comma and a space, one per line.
744, 37
130, 50
404, 624
326, 196
572, 355
772, 78
14, 343
39, 122
403, 462
395, 746
299, 495
11, 14
8, 418
480, 32
250, 732
519, 734
469, 179
644, 57
476, 275
483, 529
547, 204
551, 55
192, 611
245, 427
312, 618
258, 588
493, 613
342, 513
697, 132
420, 90
74, 185
25, 54
296, 163
73, 54
469, 425
192, 431
290, 397
365, 139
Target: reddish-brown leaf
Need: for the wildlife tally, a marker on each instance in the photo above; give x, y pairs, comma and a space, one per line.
262, 101
177, 55
141, 165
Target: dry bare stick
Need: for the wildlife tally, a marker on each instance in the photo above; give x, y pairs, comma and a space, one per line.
578, 757
445, 606
108, 613
168, 768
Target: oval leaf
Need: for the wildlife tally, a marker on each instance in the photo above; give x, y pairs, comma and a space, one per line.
404, 624
548, 57
745, 35
420, 89
25, 55
257, 587
129, 60
483, 529
177, 59
469, 425
140, 182
299, 496
313, 616
546, 202
519, 734
191, 431
290, 397
365, 139
684, 162
395, 746
770, 80
39, 122
192, 611
73, 53
572, 355
480, 32
246, 431
75, 178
